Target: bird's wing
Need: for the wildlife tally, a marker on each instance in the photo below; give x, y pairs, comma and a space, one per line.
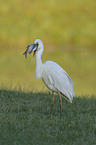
61, 79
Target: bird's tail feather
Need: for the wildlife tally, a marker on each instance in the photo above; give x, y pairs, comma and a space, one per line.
67, 96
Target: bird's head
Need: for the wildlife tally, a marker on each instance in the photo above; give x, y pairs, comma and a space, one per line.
37, 47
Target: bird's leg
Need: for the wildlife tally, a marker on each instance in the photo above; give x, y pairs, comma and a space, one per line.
52, 103
60, 105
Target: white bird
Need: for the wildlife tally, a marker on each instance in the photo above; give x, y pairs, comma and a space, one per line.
54, 77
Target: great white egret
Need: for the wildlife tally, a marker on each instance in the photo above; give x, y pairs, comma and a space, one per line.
53, 76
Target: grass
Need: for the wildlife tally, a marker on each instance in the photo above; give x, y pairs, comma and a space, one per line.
24, 119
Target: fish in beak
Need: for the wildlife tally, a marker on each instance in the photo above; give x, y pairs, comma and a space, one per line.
30, 48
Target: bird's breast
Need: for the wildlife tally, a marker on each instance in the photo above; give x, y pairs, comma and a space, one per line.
38, 71
48, 82
38, 75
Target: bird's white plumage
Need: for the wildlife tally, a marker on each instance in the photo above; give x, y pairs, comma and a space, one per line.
53, 76
56, 79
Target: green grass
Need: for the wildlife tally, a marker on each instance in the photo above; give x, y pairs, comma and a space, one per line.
24, 119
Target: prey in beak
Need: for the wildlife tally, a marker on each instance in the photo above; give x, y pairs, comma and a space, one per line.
30, 48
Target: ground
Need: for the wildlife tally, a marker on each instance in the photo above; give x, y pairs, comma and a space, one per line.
24, 119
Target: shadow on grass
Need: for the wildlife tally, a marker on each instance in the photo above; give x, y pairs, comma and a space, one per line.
24, 119
40, 103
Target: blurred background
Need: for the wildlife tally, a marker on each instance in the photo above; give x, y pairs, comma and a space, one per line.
68, 31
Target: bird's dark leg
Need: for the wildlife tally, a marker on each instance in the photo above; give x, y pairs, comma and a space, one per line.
60, 105
52, 103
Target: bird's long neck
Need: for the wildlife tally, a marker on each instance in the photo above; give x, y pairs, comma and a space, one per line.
39, 65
